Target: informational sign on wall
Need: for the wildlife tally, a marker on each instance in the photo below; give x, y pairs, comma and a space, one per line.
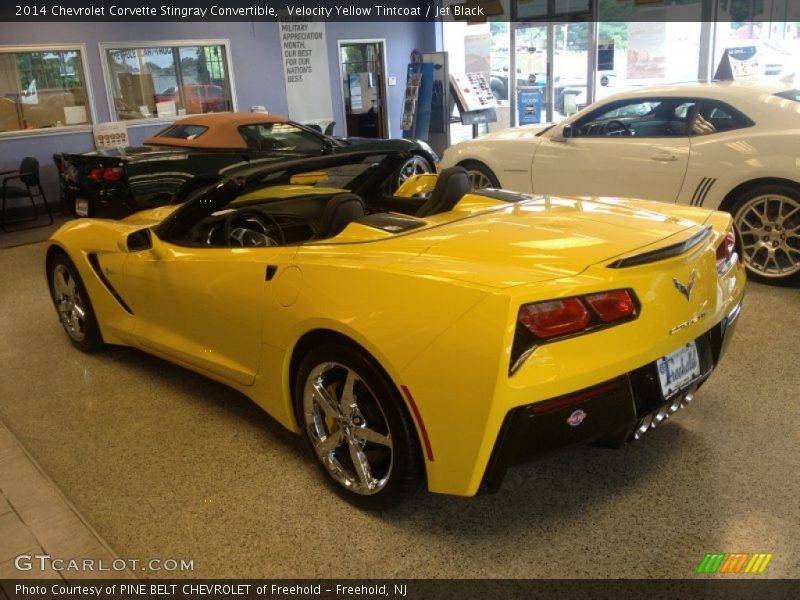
305, 65
110, 135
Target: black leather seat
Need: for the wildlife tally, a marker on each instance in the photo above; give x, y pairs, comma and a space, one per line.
340, 211
451, 185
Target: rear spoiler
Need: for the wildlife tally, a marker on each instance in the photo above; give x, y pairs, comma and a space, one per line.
662, 253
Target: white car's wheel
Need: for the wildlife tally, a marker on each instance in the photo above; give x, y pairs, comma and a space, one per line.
357, 428
768, 220
480, 176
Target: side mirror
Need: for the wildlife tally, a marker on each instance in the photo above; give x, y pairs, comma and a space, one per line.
566, 131
139, 240
142, 239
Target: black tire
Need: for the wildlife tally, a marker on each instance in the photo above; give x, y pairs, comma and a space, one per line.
480, 176
415, 165
770, 233
395, 470
68, 293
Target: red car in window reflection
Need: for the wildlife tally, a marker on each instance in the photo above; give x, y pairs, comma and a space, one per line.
198, 97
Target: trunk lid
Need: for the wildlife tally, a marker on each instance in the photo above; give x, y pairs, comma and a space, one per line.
542, 239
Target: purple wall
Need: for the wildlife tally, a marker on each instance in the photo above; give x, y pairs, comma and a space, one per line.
255, 58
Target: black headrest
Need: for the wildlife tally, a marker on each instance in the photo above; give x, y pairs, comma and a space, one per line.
451, 185
340, 211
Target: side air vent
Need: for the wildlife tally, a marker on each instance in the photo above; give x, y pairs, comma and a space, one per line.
662, 253
93, 260
701, 191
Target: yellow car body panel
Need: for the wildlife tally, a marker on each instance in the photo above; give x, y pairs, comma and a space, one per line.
436, 306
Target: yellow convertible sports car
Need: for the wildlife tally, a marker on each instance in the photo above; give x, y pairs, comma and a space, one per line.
428, 334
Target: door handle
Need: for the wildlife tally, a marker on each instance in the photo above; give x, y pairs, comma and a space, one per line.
664, 156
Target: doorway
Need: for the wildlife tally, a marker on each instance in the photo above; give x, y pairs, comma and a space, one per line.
362, 64
553, 62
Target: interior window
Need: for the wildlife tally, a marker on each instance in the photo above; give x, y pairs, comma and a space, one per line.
714, 116
650, 117
269, 137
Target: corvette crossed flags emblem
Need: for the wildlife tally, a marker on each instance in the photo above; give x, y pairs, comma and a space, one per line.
686, 290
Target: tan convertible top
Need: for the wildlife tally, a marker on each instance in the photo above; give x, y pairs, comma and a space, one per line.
222, 134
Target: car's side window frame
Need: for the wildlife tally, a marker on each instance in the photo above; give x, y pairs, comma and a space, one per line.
578, 123
743, 119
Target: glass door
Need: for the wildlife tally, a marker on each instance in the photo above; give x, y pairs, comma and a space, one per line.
533, 98
552, 64
363, 84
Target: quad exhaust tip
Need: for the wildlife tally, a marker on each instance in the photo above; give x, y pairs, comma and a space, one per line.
652, 421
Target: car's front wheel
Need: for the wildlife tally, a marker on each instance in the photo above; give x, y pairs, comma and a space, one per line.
768, 220
357, 428
73, 305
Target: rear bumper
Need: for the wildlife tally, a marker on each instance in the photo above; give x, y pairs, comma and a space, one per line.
608, 414
101, 205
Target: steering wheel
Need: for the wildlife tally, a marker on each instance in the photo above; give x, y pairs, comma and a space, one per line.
619, 129
245, 228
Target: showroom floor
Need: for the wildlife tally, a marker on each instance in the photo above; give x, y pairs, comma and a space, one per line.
166, 464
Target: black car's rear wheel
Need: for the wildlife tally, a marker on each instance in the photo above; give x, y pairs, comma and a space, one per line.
416, 165
357, 428
72, 303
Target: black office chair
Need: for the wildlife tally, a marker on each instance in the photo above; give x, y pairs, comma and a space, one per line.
329, 128
28, 175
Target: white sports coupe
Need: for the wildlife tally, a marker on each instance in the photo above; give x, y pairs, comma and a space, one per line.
732, 146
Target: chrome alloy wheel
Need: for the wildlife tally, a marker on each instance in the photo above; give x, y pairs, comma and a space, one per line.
770, 228
69, 303
347, 428
416, 165
478, 180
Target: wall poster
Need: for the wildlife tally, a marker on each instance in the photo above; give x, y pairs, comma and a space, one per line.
305, 66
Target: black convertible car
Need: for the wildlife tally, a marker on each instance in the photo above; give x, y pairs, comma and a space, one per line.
189, 154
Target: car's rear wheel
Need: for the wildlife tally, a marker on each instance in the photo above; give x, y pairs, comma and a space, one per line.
357, 428
480, 176
72, 303
416, 165
768, 220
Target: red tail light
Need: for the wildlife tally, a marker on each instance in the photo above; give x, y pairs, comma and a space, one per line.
556, 317
542, 322
113, 173
612, 306
96, 174
726, 253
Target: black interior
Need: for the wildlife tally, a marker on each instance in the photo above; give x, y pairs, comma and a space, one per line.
219, 220
668, 118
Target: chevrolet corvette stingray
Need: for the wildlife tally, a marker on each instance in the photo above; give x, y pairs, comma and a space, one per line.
430, 335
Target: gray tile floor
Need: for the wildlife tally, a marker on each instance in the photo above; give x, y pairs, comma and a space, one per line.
164, 463
36, 519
